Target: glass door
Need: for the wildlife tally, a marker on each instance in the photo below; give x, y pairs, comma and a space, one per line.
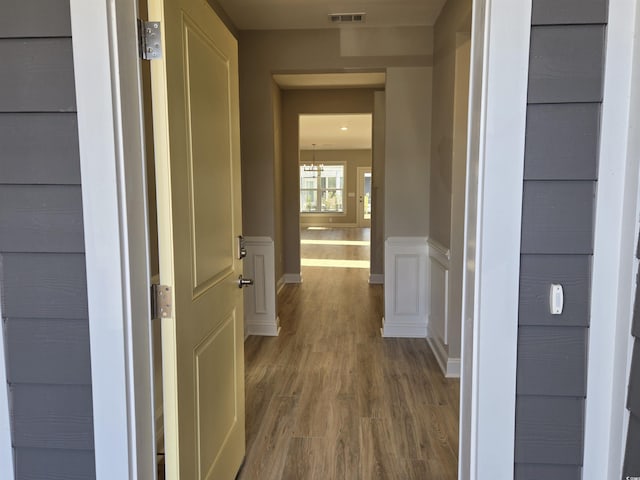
364, 197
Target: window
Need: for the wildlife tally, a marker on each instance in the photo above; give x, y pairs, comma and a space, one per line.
321, 188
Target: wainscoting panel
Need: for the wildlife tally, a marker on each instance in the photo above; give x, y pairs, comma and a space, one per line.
406, 287
260, 313
438, 308
438, 291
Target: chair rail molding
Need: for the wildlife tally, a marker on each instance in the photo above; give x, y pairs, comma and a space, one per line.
406, 287
260, 312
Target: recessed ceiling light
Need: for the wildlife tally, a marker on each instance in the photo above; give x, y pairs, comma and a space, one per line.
344, 129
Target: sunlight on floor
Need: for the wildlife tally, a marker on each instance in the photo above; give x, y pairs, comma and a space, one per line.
325, 262
359, 243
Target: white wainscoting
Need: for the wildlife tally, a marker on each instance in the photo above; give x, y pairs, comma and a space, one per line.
438, 308
260, 299
405, 288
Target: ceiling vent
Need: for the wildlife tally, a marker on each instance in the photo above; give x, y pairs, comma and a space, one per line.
347, 17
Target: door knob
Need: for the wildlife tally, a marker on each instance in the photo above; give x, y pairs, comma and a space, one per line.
244, 282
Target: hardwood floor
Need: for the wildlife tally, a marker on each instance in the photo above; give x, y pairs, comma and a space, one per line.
329, 398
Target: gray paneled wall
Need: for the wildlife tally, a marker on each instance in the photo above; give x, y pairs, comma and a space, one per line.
632, 454
560, 174
42, 263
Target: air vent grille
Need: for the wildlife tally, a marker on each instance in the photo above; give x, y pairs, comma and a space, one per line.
347, 17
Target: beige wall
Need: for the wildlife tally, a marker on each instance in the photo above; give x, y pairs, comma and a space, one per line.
407, 151
263, 53
455, 17
377, 185
295, 103
352, 160
448, 164
276, 100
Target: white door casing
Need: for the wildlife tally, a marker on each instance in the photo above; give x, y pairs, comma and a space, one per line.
197, 148
495, 162
109, 100
614, 242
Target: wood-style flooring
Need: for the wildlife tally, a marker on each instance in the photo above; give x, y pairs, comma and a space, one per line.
329, 398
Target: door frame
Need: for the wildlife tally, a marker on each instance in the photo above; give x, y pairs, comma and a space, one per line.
359, 191
114, 203
614, 265
6, 448
493, 206
110, 129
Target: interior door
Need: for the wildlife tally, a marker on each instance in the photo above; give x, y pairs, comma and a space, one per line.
364, 197
196, 130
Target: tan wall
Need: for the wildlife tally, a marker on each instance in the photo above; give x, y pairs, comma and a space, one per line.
407, 151
455, 17
276, 100
377, 185
263, 53
295, 103
448, 164
352, 159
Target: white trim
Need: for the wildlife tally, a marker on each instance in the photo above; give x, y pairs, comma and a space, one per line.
402, 330
450, 366
264, 329
440, 251
6, 448
376, 279
613, 281
498, 101
108, 97
439, 278
292, 278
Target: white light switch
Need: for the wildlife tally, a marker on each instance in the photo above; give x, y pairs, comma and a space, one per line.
556, 299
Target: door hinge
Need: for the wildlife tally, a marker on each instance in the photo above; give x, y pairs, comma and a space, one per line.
161, 302
149, 40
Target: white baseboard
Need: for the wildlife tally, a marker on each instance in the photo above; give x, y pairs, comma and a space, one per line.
376, 279
292, 278
264, 329
450, 366
453, 368
329, 225
402, 330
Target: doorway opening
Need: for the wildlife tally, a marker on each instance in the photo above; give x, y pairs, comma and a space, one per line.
335, 173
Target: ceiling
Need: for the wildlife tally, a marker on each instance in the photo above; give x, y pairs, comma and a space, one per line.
302, 14
326, 132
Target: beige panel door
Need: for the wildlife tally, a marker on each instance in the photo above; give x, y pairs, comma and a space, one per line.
364, 197
196, 129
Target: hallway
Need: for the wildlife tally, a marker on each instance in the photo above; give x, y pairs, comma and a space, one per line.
329, 398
